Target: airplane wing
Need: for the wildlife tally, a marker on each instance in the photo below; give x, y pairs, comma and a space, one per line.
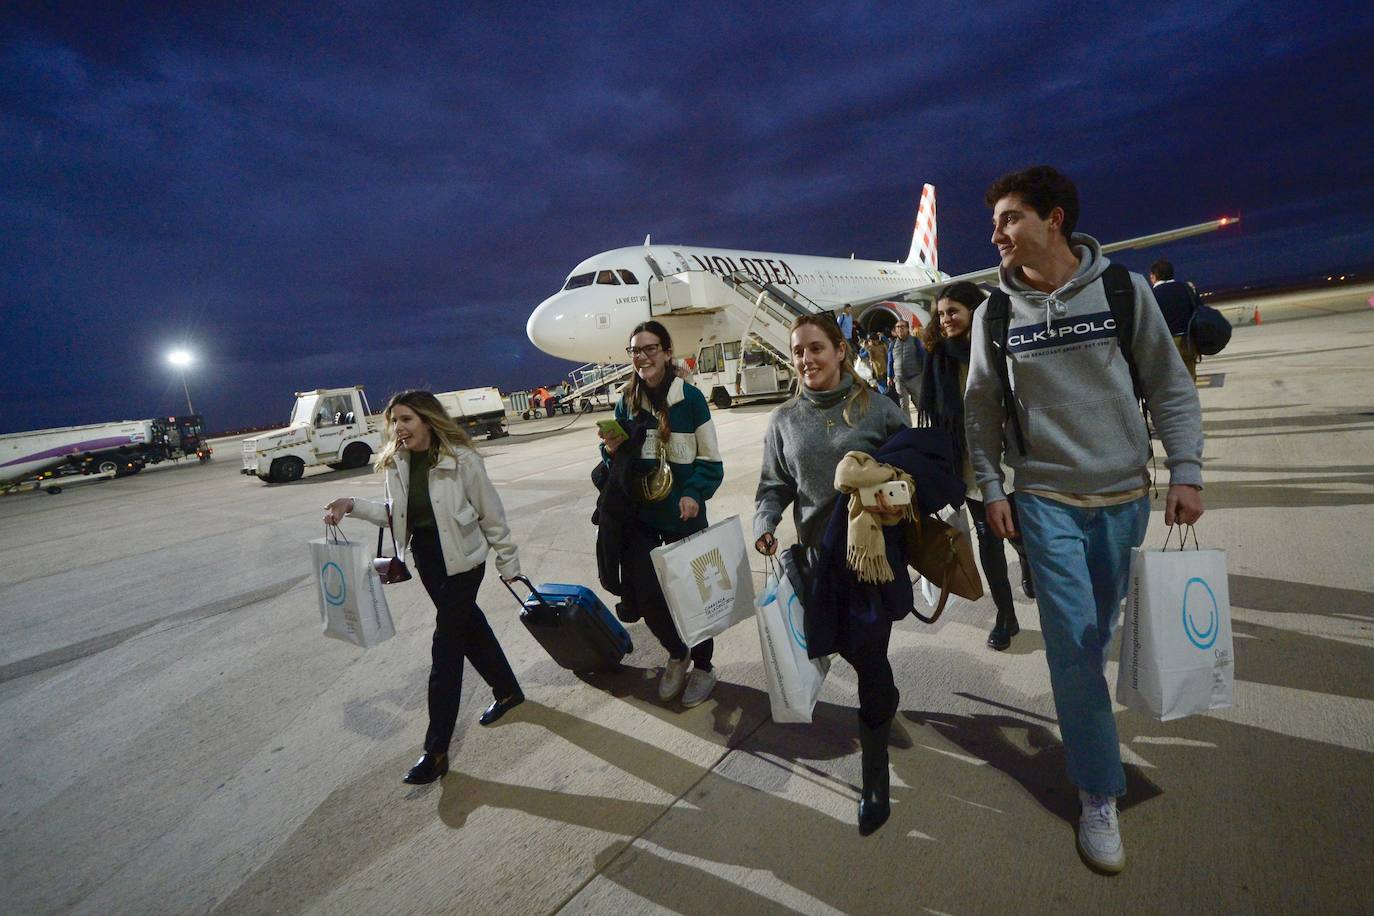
990, 275
1159, 238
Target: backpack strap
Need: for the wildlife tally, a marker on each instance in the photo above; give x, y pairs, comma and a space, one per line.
1116, 280
998, 324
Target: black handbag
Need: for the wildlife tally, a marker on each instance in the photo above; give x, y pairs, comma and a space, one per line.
390, 569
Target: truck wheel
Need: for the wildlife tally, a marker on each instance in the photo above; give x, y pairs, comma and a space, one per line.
355, 455
720, 397
108, 466
287, 469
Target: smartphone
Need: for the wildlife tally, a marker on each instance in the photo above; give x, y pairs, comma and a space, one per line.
896, 492
612, 429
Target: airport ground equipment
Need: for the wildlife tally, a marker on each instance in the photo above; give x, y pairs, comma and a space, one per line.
328, 426
573, 625
114, 449
480, 410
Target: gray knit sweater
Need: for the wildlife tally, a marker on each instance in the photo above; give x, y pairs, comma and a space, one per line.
801, 449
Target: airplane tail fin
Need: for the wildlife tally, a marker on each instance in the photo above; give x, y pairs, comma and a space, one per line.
925, 249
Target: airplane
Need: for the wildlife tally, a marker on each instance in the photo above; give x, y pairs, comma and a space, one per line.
708, 297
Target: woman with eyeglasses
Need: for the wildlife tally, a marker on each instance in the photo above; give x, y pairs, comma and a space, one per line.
441, 504
674, 413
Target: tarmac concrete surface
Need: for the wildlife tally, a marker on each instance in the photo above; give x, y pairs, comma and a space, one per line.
179, 738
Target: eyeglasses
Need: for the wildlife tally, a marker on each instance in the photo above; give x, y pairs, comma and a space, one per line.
650, 350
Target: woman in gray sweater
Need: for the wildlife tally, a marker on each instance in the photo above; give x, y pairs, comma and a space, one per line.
807, 436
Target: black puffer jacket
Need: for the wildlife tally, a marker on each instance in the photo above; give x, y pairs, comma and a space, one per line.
615, 507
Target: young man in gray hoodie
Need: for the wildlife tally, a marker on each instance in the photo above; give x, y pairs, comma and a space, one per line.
1081, 479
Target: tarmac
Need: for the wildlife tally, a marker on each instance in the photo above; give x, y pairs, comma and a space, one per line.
180, 738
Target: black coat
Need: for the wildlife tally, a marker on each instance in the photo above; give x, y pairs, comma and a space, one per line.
1178, 302
615, 507
835, 602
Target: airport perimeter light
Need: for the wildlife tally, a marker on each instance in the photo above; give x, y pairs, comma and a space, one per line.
181, 359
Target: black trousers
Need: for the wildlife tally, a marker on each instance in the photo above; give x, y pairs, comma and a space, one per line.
864, 645
460, 631
994, 559
644, 594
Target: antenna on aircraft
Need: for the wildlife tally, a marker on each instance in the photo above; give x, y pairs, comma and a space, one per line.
646, 239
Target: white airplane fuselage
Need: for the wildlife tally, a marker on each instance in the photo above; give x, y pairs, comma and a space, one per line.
591, 319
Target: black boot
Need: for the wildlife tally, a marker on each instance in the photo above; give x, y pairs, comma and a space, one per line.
874, 805
1002, 632
1027, 583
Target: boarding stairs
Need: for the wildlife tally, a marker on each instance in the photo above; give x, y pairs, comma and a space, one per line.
592, 383
765, 310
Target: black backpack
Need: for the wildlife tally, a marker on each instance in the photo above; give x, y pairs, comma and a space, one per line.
1116, 281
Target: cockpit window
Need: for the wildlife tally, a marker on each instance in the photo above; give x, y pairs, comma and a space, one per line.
628, 277
607, 277
577, 281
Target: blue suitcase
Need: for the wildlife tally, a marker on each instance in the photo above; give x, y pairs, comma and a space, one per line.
573, 626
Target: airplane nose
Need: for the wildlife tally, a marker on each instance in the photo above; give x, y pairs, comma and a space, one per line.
552, 327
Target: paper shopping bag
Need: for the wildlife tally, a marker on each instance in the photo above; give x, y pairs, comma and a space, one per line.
794, 679
1176, 652
352, 605
706, 580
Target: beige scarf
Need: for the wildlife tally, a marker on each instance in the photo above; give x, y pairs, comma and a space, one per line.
867, 554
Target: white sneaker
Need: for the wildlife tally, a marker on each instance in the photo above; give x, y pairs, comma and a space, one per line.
674, 676
1099, 833
699, 687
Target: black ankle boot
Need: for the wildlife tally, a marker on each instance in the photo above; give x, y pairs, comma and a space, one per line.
1027, 583
874, 804
1002, 632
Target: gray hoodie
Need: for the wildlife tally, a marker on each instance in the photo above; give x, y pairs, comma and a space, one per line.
1084, 433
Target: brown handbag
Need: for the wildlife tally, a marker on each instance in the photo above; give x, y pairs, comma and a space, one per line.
942, 554
390, 569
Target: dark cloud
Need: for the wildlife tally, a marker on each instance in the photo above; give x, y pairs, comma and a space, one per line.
380, 193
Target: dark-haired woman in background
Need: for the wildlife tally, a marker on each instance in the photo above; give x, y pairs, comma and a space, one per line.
444, 505
947, 341
677, 415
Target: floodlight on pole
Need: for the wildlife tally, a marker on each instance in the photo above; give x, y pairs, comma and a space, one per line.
181, 359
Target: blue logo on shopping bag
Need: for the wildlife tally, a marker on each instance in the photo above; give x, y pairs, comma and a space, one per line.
1203, 639
332, 583
794, 626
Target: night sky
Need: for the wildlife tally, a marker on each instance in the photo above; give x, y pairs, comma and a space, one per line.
311, 196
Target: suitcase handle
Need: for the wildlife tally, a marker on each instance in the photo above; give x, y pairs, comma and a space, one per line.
529, 585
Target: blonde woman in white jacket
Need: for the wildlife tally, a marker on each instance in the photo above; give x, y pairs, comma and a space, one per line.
445, 508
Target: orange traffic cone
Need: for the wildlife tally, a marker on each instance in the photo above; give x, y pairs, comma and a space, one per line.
1257, 315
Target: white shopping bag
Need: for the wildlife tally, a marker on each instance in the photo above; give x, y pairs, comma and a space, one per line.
706, 580
794, 679
1176, 653
352, 606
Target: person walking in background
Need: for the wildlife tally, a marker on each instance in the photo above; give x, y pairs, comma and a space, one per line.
1052, 389
905, 361
947, 341
877, 360
846, 322
1177, 301
806, 439
676, 416
441, 504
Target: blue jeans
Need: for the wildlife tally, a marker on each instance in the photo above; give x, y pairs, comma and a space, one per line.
1081, 560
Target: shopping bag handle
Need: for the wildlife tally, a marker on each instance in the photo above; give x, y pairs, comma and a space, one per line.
1182, 537
334, 534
